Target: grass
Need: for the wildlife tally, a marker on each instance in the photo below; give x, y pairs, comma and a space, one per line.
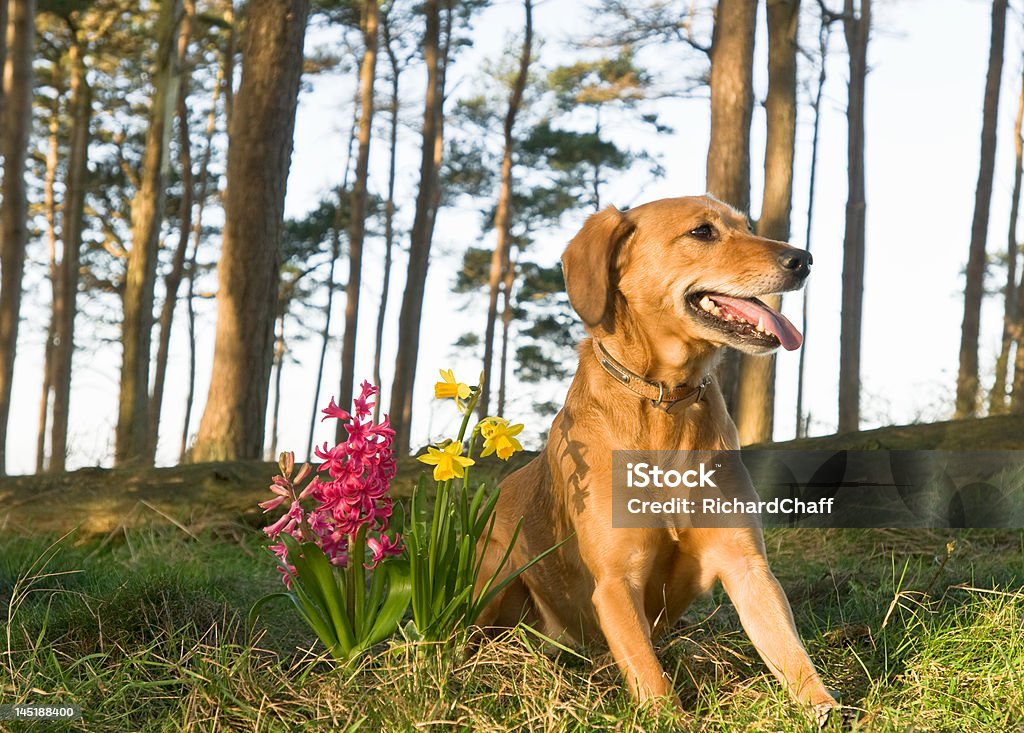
146, 630
140, 617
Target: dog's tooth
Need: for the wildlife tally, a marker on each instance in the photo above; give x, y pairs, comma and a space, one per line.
760, 324
706, 303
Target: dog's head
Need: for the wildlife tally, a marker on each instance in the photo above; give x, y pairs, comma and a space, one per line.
685, 267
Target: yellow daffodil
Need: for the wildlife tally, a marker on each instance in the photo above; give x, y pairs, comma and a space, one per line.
448, 387
499, 437
447, 462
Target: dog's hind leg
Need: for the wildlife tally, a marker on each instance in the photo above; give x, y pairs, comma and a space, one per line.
513, 603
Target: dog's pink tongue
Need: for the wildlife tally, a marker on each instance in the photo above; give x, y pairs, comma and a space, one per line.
774, 322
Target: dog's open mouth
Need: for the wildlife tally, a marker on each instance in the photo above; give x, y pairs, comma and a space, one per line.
746, 319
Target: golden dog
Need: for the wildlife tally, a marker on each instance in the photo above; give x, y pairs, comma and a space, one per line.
661, 289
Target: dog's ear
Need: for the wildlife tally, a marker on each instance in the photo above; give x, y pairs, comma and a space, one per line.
587, 263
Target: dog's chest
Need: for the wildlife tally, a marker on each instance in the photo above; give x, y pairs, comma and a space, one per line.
656, 428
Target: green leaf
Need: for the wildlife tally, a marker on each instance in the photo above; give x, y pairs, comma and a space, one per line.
371, 602
484, 515
326, 582
316, 585
314, 618
553, 642
399, 593
355, 582
254, 611
489, 596
396, 524
474, 507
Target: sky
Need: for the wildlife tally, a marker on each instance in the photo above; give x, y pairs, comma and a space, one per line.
923, 118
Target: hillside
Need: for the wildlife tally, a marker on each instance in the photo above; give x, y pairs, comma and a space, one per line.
100, 501
1005, 432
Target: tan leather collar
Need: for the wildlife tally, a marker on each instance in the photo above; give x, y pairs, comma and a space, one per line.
656, 392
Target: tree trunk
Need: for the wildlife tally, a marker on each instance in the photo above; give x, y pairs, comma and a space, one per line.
339, 217
823, 37
279, 350
3, 56
17, 124
325, 333
230, 51
595, 184
190, 390
447, 29
506, 323
133, 444
1017, 391
44, 393
967, 377
997, 399
755, 410
857, 28
197, 232
389, 211
732, 104
71, 233
50, 206
259, 155
173, 280
502, 217
357, 211
422, 229
1017, 387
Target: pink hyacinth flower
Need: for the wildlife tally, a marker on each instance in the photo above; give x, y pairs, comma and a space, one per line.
332, 410
351, 497
381, 548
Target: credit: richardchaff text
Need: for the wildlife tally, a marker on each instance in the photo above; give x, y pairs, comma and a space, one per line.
780, 488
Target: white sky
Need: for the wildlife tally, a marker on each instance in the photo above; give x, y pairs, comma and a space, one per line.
924, 94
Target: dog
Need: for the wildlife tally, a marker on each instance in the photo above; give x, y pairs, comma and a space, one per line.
662, 288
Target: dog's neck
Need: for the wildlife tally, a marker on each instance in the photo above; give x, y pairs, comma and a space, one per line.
672, 362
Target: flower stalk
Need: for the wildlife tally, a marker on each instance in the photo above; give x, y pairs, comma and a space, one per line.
326, 550
445, 546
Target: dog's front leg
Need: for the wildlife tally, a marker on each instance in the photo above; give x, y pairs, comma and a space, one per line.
621, 615
767, 618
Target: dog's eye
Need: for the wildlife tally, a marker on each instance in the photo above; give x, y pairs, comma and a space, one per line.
705, 233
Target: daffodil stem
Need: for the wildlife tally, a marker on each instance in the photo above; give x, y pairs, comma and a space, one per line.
469, 453
470, 408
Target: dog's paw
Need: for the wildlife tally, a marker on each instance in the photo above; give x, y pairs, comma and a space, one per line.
827, 714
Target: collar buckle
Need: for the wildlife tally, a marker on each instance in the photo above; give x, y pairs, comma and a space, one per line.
702, 387
661, 395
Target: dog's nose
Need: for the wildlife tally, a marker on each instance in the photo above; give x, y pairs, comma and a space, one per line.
797, 261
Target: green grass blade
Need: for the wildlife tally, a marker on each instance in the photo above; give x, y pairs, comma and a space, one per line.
489, 593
